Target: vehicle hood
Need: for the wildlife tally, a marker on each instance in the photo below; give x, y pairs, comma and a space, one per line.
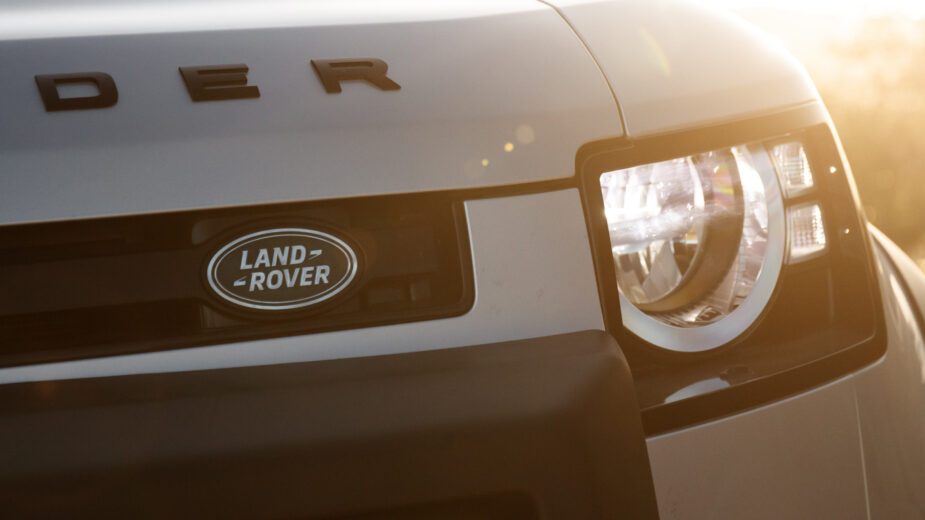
492, 93
677, 64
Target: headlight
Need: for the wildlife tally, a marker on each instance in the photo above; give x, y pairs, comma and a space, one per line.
733, 263
698, 244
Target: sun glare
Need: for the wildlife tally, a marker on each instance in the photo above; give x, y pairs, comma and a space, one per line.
865, 60
908, 8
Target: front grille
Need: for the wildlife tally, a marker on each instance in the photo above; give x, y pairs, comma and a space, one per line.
85, 288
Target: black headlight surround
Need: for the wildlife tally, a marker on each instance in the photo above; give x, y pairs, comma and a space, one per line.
824, 320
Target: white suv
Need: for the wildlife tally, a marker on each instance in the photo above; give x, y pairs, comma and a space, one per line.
465, 259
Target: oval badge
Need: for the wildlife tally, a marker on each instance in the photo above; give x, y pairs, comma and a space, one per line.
282, 269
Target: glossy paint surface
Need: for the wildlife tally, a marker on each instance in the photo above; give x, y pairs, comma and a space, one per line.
891, 397
492, 93
677, 64
798, 458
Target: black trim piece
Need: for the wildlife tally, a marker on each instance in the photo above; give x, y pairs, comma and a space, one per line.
757, 392
824, 320
541, 428
98, 287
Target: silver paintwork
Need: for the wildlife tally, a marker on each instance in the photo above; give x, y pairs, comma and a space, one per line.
677, 64
475, 76
891, 397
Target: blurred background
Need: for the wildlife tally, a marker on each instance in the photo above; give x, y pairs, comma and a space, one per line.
868, 61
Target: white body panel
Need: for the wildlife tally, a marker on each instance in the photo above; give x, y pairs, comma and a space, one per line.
523, 78
675, 64
891, 396
798, 458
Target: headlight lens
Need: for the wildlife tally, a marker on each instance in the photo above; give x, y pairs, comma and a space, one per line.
698, 243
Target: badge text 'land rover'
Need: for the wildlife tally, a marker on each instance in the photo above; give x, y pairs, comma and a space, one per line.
282, 269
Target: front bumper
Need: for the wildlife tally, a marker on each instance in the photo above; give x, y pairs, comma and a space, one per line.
542, 428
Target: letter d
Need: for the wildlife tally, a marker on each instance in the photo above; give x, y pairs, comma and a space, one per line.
48, 88
298, 255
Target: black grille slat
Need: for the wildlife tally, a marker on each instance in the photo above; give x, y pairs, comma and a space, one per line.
86, 288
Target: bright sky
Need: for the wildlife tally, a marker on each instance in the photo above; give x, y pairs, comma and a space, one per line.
911, 8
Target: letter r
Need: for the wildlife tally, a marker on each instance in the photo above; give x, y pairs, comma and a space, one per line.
371, 70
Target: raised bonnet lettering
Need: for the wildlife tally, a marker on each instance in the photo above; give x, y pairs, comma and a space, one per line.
371, 70
48, 88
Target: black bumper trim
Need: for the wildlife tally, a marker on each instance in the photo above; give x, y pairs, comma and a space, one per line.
542, 428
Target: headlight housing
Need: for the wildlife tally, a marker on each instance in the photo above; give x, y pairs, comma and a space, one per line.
733, 263
698, 243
